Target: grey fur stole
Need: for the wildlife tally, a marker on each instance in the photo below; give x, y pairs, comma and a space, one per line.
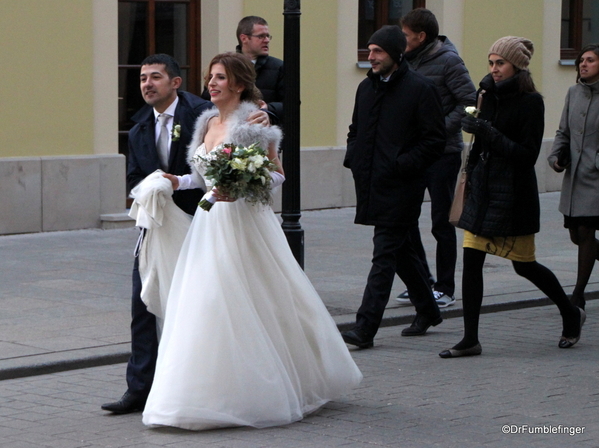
239, 132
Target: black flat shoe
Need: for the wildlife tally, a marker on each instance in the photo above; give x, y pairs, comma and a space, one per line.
420, 324
127, 404
455, 353
565, 342
358, 338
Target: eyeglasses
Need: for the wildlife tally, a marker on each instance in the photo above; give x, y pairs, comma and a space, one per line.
261, 36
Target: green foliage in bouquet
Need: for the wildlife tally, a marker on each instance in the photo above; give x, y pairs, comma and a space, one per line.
240, 172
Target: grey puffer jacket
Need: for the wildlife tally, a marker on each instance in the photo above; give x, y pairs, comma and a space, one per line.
439, 61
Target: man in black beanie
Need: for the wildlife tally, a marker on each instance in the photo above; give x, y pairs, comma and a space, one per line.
397, 132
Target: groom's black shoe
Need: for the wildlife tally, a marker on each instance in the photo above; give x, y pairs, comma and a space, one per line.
420, 325
358, 338
127, 404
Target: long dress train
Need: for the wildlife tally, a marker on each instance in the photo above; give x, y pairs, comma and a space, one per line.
246, 340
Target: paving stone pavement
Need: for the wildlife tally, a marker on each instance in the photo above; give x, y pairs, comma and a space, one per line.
409, 397
65, 301
65, 296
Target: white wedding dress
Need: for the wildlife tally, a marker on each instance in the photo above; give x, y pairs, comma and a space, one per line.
247, 340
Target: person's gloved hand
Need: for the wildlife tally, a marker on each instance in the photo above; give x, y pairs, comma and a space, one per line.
478, 127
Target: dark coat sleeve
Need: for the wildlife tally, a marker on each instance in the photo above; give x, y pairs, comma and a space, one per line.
522, 148
458, 82
134, 172
351, 136
276, 107
430, 141
270, 77
142, 159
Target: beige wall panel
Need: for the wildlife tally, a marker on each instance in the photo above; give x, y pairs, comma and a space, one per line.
556, 78
349, 75
450, 15
105, 78
485, 21
325, 183
219, 23
21, 201
48, 55
70, 193
318, 74
324, 179
113, 185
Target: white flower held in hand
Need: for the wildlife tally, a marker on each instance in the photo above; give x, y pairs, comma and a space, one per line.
471, 110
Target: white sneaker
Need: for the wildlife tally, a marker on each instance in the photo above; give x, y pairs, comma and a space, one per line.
443, 300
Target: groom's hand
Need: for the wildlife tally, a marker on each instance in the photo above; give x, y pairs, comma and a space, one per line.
259, 117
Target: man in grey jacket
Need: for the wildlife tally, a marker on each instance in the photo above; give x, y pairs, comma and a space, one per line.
436, 58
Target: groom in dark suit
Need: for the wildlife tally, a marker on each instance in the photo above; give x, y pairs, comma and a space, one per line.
160, 79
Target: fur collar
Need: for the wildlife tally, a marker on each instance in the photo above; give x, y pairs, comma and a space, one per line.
239, 132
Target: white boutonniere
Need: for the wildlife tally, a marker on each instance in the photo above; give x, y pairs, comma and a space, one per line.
176, 132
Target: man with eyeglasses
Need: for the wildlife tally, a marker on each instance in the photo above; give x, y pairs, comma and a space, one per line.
254, 40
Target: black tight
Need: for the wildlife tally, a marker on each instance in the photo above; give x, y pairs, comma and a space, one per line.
588, 252
539, 275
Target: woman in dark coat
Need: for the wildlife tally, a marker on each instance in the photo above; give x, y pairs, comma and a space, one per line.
501, 213
575, 149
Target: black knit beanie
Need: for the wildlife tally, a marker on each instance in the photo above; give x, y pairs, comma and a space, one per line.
391, 39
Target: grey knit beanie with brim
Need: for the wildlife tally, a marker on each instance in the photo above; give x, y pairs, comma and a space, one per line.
516, 50
391, 39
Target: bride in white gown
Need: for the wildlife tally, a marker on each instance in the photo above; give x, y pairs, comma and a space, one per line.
246, 339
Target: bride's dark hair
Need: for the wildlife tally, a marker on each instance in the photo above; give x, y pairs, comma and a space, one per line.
240, 72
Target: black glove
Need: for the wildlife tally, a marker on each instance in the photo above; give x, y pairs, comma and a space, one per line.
478, 127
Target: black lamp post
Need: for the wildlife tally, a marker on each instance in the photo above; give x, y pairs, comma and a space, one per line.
291, 124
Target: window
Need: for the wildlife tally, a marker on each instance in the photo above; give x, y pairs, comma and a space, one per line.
580, 26
373, 14
155, 26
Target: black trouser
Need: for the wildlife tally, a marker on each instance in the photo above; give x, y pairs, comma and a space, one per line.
441, 178
393, 253
144, 341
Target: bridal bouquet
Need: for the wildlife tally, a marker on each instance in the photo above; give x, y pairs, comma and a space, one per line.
241, 172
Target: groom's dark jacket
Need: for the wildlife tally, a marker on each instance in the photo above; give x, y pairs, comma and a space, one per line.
143, 156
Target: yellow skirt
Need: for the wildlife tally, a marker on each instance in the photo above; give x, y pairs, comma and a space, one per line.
515, 248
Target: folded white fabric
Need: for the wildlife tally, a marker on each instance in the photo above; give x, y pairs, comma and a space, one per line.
150, 196
153, 209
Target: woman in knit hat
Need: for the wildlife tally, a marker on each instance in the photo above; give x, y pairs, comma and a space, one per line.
576, 152
501, 212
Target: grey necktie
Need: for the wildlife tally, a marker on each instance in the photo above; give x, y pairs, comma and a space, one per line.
162, 144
